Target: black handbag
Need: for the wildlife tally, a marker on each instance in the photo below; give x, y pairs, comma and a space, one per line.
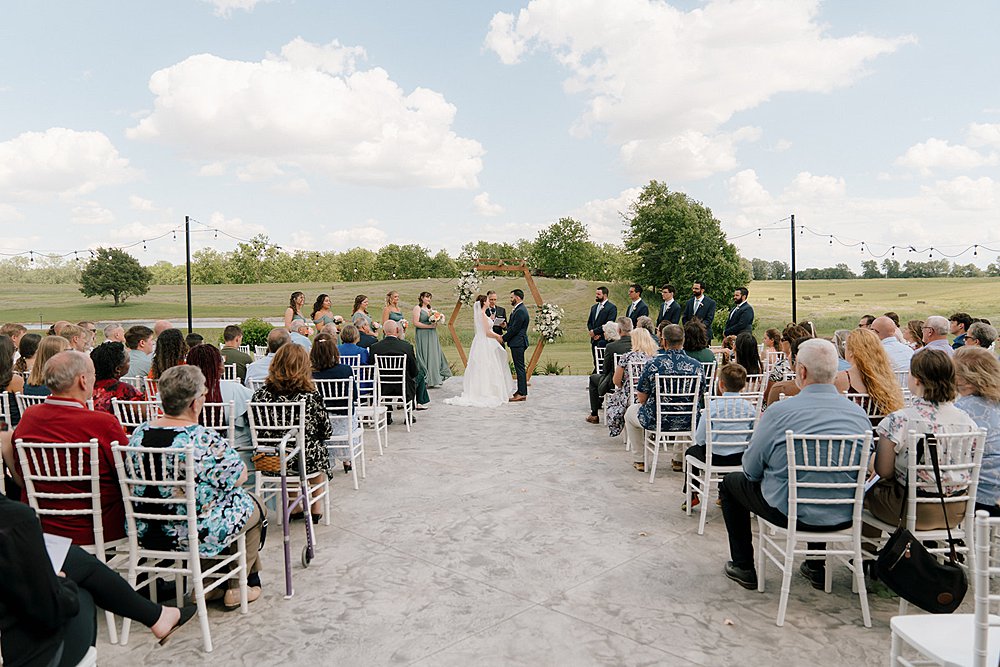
917, 576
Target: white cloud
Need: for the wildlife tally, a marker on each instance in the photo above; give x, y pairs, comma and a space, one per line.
604, 217
312, 112
91, 213
664, 81
484, 206
781, 146
368, 236
984, 134
10, 214
981, 194
933, 154
212, 169
296, 186
688, 155
59, 161
225, 8
259, 170
140, 204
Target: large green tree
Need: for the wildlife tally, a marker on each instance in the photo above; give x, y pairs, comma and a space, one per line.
401, 261
673, 238
115, 273
563, 249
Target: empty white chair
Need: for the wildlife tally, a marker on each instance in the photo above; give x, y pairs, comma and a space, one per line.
677, 398
372, 413
971, 640
133, 413
170, 470
348, 441
392, 384
823, 470
57, 475
599, 358
730, 427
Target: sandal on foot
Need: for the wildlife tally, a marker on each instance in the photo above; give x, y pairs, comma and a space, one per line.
187, 613
641, 467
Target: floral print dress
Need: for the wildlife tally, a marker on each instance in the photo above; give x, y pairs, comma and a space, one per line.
618, 400
318, 429
223, 506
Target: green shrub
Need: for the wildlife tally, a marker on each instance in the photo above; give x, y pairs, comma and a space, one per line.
255, 332
552, 367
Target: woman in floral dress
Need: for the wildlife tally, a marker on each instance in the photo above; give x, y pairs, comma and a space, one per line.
643, 349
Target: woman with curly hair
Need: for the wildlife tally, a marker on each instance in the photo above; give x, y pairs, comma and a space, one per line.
870, 372
360, 317
170, 351
110, 364
696, 341
321, 313
293, 314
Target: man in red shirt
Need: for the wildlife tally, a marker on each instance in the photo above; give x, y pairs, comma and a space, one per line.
64, 417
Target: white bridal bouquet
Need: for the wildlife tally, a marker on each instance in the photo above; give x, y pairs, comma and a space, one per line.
548, 321
468, 286
376, 326
338, 320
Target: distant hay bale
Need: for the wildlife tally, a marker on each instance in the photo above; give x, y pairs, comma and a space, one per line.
923, 302
847, 300
903, 294
805, 298
858, 294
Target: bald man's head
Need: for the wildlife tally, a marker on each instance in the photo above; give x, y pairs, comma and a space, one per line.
70, 374
160, 326
390, 328
884, 327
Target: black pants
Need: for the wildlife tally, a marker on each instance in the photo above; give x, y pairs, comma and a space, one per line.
517, 356
741, 496
992, 509
698, 451
597, 388
101, 586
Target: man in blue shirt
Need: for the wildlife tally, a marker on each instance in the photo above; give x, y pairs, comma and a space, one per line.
763, 490
641, 416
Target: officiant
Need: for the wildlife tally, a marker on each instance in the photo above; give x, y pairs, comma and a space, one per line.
496, 313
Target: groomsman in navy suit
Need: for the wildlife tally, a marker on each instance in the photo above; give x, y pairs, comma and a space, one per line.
670, 311
741, 316
601, 313
700, 305
637, 308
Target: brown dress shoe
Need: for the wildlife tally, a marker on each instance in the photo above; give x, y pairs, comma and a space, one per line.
593, 419
517, 397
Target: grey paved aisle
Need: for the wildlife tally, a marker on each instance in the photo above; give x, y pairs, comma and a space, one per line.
519, 536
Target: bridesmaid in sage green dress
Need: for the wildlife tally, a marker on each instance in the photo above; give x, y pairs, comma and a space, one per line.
427, 344
392, 311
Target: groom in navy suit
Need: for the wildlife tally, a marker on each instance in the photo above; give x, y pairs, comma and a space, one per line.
700, 305
516, 339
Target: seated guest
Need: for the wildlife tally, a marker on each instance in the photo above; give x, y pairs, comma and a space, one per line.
913, 334
932, 383
289, 380
610, 332
642, 416
899, 353
64, 417
139, 341
696, 341
978, 381
114, 332
15, 331
10, 382
601, 383
208, 359
300, 335
748, 354
325, 359
225, 509
90, 328
840, 341
935, 334
77, 337
727, 448
646, 323
349, 347
642, 349
959, 324
170, 351
772, 341
232, 337
45, 615
110, 364
392, 345
981, 334
763, 487
258, 370
26, 349
57, 327
728, 349
786, 387
870, 372
895, 322
159, 326
193, 339
784, 365
48, 347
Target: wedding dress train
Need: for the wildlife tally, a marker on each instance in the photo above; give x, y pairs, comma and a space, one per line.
487, 382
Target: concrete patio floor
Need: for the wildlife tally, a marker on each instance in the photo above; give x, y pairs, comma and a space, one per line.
519, 536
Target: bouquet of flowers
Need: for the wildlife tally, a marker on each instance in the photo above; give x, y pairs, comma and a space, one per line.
338, 320
404, 323
436, 316
376, 326
548, 321
468, 286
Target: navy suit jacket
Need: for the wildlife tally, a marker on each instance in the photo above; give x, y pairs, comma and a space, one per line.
640, 310
596, 322
740, 320
706, 312
673, 314
517, 327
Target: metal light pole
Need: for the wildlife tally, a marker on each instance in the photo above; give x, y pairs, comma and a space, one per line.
794, 318
187, 244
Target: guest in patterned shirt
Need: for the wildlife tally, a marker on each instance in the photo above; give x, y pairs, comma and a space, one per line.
110, 364
225, 509
642, 415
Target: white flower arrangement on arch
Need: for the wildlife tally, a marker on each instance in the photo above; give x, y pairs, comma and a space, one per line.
469, 283
548, 321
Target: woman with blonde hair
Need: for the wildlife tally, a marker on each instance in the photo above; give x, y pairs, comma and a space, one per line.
870, 372
643, 349
392, 311
977, 375
48, 347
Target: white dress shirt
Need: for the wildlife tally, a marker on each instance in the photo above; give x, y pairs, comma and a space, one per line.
899, 354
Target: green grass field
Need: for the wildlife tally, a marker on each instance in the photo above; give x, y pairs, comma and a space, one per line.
830, 304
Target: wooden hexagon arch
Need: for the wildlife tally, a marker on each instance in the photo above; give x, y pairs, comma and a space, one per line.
509, 266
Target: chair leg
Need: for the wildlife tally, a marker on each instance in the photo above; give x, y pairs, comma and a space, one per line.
241, 545
706, 496
126, 621
199, 600
759, 556
286, 535
361, 455
894, 648
656, 457
786, 580
859, 582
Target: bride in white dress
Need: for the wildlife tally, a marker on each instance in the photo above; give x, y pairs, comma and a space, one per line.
487, 382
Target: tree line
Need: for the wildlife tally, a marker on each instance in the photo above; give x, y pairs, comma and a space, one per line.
762, 269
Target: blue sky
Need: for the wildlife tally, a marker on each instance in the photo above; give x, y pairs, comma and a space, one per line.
331, 125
